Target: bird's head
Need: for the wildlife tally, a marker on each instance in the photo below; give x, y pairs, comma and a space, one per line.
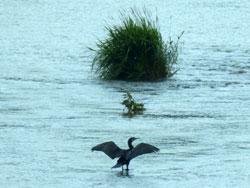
132, 139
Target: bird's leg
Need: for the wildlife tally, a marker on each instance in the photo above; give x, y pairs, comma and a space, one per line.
127, 168
122, 167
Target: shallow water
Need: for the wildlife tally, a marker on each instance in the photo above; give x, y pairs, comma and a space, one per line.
53, 109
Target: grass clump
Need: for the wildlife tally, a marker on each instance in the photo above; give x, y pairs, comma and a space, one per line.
132, 107
135, 50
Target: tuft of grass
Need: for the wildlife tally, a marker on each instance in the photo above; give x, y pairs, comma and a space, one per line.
132, 107
135, 50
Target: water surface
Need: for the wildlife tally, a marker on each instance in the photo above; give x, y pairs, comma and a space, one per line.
53, 109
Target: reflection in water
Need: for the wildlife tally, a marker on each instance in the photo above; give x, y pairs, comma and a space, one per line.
123, 173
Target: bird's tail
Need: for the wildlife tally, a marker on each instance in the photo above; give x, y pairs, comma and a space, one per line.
117, 165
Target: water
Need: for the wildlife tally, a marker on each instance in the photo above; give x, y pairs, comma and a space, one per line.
53, 109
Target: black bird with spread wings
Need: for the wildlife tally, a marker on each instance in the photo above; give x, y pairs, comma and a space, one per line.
113, 151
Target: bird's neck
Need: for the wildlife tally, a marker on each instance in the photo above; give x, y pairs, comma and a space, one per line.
130, 145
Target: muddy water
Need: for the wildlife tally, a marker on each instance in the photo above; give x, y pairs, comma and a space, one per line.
53, 109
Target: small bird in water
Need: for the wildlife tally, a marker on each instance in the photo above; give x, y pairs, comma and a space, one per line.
113, 151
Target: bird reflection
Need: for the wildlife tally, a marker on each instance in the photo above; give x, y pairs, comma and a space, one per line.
124, 173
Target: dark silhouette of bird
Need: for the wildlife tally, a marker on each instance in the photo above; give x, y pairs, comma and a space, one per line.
125, 155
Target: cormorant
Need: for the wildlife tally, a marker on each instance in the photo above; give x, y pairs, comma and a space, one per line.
113, 151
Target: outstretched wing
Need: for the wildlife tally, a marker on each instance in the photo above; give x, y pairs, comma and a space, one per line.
141, 149
109, 148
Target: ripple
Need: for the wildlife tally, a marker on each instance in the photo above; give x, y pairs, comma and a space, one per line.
178, 116
13, 110
80, 170
46, 81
